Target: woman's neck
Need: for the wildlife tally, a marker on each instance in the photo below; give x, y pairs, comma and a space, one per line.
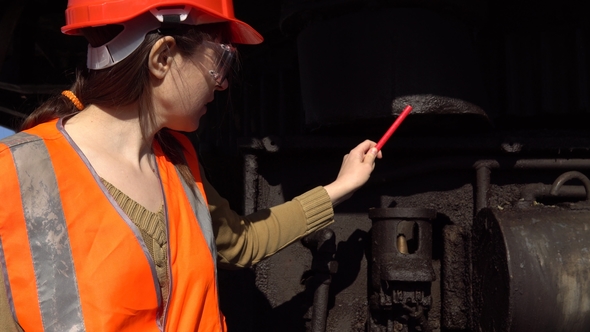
113, 143
117, 131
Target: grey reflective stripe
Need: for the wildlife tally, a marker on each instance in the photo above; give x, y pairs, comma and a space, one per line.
204, 218
5, 278
57, 288
115, 205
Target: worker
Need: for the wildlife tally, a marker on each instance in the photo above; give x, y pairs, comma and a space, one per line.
107, 221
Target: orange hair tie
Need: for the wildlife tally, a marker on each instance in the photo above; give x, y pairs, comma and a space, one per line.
72, 97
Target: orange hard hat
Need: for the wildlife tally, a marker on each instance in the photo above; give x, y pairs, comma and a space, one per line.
92, 13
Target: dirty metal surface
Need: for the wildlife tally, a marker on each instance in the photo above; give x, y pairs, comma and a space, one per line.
531, 269
389, 262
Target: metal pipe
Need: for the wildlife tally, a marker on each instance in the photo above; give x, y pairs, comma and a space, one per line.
250, 183
531, 192
466, 163
568, 176
322, 243
443, 145
320, 305
483, 174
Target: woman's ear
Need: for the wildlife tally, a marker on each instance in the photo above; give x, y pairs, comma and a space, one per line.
161, 56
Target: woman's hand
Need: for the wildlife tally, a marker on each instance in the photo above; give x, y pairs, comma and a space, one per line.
355, 171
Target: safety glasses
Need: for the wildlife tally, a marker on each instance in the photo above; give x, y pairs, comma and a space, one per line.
225, 56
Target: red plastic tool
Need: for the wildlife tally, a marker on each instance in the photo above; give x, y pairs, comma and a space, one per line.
393, 127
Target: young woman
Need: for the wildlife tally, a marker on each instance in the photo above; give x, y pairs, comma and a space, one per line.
107, 222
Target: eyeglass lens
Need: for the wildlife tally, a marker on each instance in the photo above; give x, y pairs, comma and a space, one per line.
224, 63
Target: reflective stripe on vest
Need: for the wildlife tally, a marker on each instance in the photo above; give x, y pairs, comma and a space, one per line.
201, 210
44, 218
55, 277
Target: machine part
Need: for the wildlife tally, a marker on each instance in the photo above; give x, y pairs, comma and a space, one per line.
558, 183
414, 225
530, 269
483, 172
530, 193
323, 246
401, 269
402, 244
250, 170
455, 292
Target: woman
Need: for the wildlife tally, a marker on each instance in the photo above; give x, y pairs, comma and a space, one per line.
108, 223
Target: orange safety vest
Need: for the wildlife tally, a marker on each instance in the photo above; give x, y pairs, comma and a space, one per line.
73, 261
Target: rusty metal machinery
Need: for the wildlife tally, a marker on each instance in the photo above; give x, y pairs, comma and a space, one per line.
531, 266
401, 269
323, 247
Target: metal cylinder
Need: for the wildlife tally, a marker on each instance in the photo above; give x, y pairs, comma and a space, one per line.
531, 269
402, 244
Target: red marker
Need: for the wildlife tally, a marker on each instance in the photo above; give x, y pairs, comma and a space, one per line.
393, 127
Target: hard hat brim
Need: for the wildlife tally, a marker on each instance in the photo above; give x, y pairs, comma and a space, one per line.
104, 13
242, 33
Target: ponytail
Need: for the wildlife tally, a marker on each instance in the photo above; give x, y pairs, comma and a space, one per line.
56, 107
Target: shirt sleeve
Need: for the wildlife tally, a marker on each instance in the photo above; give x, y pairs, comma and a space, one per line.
7, 322
245, 240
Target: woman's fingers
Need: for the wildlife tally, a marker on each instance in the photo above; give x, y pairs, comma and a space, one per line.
354, 172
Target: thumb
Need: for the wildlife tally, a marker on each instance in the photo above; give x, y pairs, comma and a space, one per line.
370, 155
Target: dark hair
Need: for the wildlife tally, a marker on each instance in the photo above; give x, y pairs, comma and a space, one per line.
127, 82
